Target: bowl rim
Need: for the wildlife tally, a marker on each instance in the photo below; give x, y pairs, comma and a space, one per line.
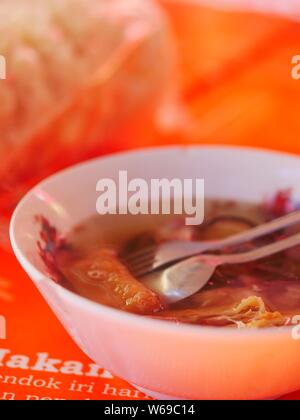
123, 316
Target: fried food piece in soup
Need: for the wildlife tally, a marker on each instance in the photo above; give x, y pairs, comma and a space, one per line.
104, 279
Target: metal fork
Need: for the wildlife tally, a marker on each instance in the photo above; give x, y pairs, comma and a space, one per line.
151, 258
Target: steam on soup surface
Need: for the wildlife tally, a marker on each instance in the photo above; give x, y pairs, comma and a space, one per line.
259, 294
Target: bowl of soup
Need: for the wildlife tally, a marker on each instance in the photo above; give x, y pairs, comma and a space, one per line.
237, 338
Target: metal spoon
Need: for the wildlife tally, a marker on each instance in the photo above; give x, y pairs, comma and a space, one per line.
188, 277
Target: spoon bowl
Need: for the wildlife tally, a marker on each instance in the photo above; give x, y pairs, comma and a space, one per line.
181, 280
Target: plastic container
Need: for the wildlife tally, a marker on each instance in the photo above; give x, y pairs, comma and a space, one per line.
77, 86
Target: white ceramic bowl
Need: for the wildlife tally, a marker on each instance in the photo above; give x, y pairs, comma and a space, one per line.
161, 358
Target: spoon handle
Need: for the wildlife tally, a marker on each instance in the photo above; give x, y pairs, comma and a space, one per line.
261, 230
259, 253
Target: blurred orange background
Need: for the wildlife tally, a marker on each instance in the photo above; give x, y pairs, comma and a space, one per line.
236, 77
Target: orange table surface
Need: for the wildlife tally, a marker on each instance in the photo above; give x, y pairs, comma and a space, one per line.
236, 83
